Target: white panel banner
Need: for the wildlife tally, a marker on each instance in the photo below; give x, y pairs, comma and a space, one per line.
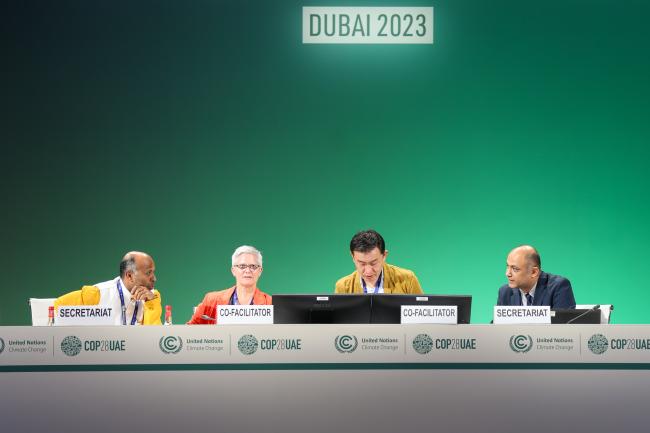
323, 344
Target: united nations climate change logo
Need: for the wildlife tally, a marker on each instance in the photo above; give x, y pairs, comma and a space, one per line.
170, 344
521, 343
346, 343
598, 344
71, 345
422, 344
247, 344
2, 345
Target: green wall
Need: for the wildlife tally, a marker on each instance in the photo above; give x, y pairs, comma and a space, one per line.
186, 129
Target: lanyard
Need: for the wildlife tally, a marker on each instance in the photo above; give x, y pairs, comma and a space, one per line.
135, 310
234, 300
380, 283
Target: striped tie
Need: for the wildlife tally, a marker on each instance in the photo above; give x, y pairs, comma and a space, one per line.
529, 299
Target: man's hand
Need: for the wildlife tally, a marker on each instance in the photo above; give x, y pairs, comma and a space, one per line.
141, 293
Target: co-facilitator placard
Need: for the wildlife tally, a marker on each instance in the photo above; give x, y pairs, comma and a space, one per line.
367, 25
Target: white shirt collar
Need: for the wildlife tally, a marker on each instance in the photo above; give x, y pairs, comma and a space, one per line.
531, 293
379, 288
125, 291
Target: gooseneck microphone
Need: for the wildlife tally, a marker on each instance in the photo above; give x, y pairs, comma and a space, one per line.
595, 307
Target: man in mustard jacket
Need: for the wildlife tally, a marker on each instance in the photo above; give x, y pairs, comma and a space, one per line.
373, 274
132, 294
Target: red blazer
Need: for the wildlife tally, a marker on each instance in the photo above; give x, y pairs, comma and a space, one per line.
209, 304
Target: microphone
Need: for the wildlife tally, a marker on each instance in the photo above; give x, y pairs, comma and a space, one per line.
208, 318
594, 308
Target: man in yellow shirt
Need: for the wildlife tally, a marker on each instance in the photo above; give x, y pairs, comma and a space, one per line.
373, 274
131, 294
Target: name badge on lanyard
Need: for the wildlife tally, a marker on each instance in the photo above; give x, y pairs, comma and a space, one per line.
135, 309
234, 299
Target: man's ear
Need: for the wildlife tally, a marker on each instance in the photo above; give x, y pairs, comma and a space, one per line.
385, 254
535, 271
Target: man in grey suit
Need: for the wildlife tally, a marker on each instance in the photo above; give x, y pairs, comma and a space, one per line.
529, 285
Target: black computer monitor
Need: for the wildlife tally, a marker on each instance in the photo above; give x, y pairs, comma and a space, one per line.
387, 308
321, 309
561, 315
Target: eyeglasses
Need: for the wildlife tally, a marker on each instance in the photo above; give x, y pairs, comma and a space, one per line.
252, 268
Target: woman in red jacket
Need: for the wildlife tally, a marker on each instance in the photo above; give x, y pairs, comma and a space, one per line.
246, 268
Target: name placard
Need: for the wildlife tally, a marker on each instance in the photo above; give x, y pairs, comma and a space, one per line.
512, 315
85, 315
245, 314
440, 314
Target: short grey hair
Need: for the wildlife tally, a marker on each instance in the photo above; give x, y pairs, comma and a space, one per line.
246, 249
128, 265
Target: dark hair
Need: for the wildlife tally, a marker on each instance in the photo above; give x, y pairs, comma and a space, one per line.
367, 240
127, 264
535, 259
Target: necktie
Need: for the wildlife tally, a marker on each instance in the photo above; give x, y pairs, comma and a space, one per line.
529, 299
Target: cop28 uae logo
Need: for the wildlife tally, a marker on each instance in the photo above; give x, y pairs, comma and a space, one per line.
2, 345
346, 343
422, 344
170, 344
71, 345
598, 344
247, 344
521, 343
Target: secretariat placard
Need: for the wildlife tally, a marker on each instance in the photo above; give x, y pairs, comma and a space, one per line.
367, 25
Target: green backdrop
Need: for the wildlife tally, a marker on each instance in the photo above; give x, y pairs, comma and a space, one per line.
185, 129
